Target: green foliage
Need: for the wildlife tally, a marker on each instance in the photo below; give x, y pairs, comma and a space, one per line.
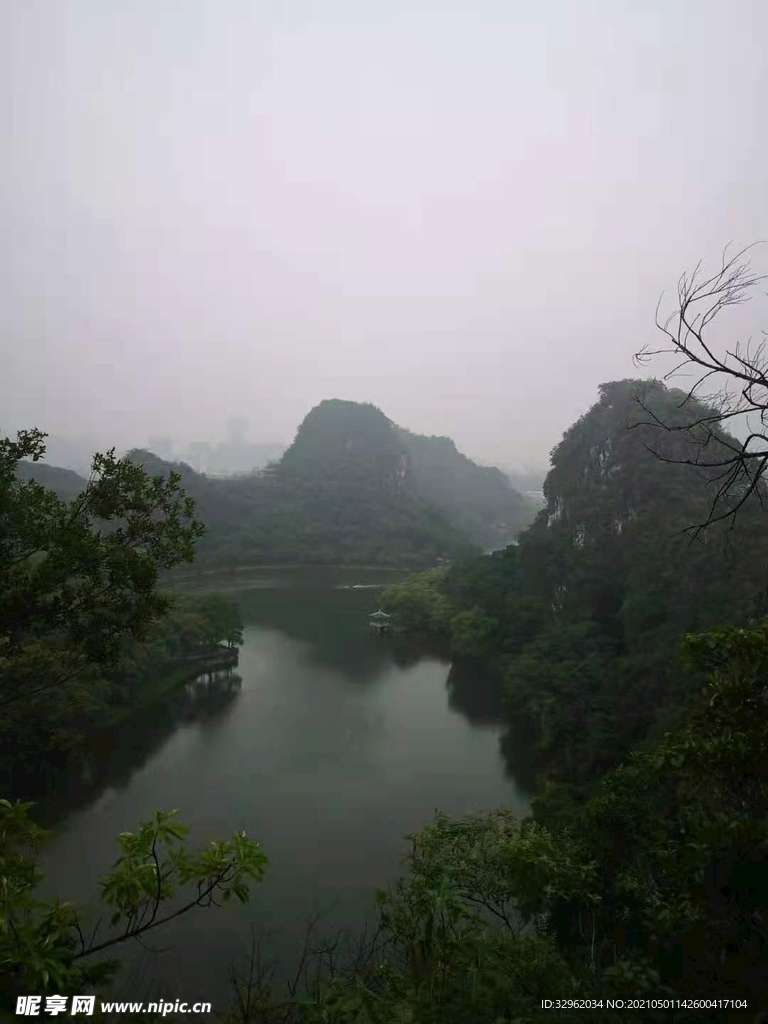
651, 888
480, 499
510, 868
43, 945
642, 872
154, 858
682, 830
421, 604
472, 633
586, 613
77, 577
454, 943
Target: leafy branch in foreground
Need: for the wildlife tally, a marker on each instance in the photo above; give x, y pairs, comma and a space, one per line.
43, 942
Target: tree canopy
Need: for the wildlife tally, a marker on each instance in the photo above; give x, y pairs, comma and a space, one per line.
78, 577
586, 613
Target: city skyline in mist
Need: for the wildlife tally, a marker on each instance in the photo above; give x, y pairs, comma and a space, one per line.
202, 453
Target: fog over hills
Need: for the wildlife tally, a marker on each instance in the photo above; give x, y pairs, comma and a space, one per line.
352, 487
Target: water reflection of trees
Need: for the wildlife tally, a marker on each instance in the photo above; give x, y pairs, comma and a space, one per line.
406, 651
519, 747
65, 783
475, 690
209, 694
334, 626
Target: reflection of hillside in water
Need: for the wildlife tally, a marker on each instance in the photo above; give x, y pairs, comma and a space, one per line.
519, 748
67, 783
333, 623
476, 692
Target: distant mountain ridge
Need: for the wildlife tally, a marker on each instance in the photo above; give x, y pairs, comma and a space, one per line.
65, 482
353, 487
481, 499
358, 440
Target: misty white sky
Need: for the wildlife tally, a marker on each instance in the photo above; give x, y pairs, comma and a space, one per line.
464, 213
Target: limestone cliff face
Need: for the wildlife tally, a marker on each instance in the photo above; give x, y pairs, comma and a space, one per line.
403, 468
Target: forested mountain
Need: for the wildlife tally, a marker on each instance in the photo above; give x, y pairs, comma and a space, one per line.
64, 482
341, 493
344, 441
481, 499
634, 650
588, 612
353, 487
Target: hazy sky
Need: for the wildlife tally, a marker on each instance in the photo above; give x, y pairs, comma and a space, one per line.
461, 212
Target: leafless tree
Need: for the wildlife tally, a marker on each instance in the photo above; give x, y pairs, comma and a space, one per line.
258, 998
738, 377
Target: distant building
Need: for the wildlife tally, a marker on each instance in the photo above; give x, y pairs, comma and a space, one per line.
237, 430
199, 456
379, 621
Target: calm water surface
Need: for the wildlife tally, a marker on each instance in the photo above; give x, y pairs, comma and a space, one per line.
329, 746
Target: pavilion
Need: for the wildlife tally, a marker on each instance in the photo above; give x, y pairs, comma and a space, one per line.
380, 621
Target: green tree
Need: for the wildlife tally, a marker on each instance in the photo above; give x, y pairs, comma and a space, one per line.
473, 633
584, 616
652, 887
464, 935
421, 604
43, 944
78, 577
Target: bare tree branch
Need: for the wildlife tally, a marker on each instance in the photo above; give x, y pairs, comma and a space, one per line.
699, 301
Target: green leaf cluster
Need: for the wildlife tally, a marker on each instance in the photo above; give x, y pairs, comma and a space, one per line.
45, 945
78, 577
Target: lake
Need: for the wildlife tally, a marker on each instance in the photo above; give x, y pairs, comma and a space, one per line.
329, 745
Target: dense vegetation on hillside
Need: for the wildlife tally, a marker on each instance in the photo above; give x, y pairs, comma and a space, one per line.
195, 632
638, 875
481, 500
81, 626
352, 488
638, 653
85, 634
63, 482
586, 614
